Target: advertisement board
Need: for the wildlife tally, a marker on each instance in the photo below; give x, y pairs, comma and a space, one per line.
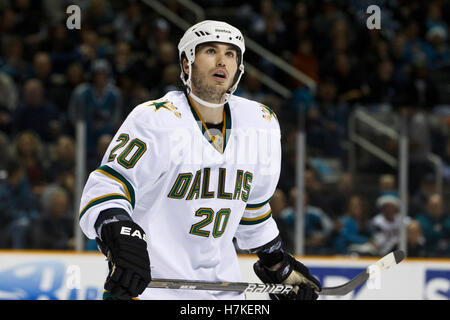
79, 276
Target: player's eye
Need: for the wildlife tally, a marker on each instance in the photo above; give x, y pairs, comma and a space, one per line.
210, 50
230, 54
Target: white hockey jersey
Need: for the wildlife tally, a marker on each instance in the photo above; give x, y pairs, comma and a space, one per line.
190, 198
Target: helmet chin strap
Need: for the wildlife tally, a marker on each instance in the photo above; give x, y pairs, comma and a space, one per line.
206, 103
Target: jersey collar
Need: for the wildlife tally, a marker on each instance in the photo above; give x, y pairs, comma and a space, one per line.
226, 128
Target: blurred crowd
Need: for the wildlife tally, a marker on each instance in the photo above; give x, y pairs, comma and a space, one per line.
125, 54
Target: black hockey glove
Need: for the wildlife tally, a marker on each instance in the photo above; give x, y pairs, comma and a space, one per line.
124, 245
290, 272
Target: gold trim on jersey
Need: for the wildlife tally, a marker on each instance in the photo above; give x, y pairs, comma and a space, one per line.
255, 220
101, 199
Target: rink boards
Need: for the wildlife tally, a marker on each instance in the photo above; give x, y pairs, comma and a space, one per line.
60, 275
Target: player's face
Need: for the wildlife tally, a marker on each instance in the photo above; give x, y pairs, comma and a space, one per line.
213, 71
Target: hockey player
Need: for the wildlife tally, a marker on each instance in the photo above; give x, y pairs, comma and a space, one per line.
187, 173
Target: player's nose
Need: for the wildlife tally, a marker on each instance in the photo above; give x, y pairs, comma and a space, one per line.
221, 59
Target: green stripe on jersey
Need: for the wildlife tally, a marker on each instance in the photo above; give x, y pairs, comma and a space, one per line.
251, 221
99, 200
113, 174
257, 205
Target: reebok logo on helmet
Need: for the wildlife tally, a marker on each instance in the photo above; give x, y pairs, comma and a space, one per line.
222, 30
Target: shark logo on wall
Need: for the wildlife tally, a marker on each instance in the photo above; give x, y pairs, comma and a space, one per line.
32, 281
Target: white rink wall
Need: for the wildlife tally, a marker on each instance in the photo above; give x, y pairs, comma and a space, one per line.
67, 276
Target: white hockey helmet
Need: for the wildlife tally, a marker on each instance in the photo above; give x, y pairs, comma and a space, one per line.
210, 31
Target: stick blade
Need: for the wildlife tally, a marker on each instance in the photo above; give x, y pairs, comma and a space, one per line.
389, 260
347, 287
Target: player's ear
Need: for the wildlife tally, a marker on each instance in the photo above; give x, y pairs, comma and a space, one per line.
185, 66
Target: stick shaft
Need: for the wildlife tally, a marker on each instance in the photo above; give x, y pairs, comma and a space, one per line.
386, 262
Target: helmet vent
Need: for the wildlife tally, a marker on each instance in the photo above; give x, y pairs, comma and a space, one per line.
202, 33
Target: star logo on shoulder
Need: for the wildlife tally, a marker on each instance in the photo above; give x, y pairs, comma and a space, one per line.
268, 114
166, 104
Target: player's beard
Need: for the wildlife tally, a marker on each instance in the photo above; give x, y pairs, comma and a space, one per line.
205, 91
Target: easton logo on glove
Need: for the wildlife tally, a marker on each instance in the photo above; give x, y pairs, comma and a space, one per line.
127, 231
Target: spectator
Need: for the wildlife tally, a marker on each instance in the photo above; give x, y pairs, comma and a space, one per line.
123, 61
434, 16
53, 230
133, 92
42, 69
62, 157
90, 48
17, 206
318, 230
100, 17
306, 61
61, 171
100, 102
37, 114
381, 85
14, 63
418, 202
341, 43
251, 87
387, 185
417, 51
318, 225
29, 152
4, 154
165, 56
353, 234
102, 145
61, 48
401, 66
73, 77
316, 190
421, 90
339, 198
386, 225
28, 22
416, 240
8, 23
326, 122
323, 21
6, 122
272, 39
350, 86
8, 92
278, 203
299, 26
259, 25
435, 223
168, 82
126, 21
437, 37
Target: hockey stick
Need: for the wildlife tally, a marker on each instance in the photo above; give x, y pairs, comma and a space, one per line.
384, 263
